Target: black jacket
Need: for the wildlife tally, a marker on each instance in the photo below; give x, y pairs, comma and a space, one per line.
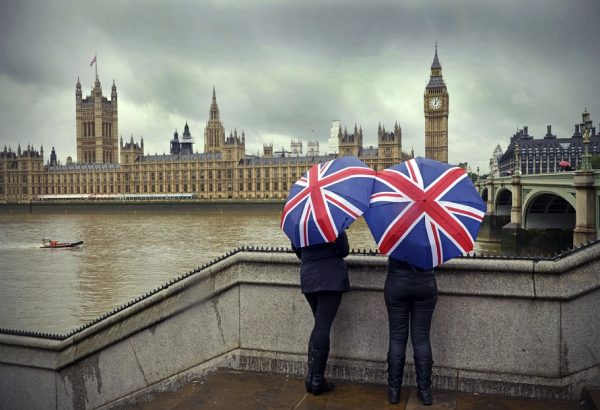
398, 266
323, 266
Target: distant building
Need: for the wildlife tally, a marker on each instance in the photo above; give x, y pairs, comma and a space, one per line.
97, 125
313, 148
436, 114
183, 146
494, 161
107, 168
332, 144
224, 170
296, 147
543, 155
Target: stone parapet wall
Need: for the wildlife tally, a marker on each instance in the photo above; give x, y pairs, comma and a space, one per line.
517, 327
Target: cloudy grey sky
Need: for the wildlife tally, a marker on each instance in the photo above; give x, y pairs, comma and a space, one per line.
286, 69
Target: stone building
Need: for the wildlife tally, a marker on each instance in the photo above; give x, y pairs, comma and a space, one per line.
97, 125
224, 170
183, 146
332, 143
544, 155
436, 101
22, 173
495, 161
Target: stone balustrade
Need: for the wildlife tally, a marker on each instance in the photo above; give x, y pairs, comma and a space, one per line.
519, 327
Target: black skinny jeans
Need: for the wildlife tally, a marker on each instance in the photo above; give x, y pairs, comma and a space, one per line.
410, 297
324, 306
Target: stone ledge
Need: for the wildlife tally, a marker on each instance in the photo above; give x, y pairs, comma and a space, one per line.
489, 334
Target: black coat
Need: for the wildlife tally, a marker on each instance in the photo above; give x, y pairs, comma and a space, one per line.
323, 266
398, 266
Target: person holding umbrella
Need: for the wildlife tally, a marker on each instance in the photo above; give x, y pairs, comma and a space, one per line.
320, 206
422, 213
410, 297
323, 280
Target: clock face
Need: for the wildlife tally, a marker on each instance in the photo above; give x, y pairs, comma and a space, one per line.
435, 103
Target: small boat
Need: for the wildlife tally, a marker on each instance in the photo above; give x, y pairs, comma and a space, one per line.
47, 243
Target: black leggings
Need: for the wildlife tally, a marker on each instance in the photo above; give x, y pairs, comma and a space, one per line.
324, 306
410, 298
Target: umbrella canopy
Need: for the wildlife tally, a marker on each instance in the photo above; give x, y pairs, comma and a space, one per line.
424, 212
326, 200
564, 164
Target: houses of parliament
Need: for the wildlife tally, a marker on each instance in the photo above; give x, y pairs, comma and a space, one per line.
107, 167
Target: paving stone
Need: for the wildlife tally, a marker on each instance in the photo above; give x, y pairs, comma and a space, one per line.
353, 396
486, 402
441, 400
227, 389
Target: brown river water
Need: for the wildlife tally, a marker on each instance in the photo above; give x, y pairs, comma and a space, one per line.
125, 254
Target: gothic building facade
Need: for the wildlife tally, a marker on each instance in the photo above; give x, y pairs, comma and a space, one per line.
436, 103
97, 125
107, 168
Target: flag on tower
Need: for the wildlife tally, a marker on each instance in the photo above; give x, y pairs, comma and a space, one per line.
93, 61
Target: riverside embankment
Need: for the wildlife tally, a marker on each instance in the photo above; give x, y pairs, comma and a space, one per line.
512, 326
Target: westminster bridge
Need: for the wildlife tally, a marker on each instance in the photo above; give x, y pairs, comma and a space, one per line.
564, 200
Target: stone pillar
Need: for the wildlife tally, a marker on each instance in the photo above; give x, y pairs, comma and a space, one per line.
489, 183
585, 210
516, 211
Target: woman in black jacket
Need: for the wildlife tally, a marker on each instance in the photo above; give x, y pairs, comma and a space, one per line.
323, 280
410, 297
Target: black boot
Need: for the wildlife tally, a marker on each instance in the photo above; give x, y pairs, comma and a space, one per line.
395, 374
423, 370
308, 378
318, 384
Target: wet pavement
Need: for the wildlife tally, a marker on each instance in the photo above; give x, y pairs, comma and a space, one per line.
246, 390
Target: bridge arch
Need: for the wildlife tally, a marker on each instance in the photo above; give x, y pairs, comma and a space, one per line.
484, 194
503, 202
549, 210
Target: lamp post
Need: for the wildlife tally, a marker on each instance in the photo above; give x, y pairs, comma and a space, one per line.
517, 170
586, 124
585, 194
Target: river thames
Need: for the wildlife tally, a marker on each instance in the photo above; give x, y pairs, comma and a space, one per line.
124, 255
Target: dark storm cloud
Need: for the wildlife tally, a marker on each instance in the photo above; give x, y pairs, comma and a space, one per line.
286, 69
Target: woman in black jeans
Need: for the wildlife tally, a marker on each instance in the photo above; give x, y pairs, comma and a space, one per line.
323, 280
410, 297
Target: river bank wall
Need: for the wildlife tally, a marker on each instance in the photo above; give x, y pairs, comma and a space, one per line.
131, 206
523, 327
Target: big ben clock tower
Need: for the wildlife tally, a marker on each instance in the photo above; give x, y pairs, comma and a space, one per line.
436, 114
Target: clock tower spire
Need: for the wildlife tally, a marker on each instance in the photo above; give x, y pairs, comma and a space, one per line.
436, 114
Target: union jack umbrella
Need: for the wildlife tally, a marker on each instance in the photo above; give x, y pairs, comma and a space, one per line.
326, 200
424, 212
